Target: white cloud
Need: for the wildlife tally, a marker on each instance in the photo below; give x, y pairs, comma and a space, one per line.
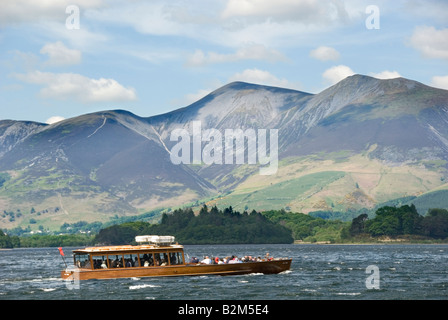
302, 11
431, 43
260, 77
229, 22
336, 74
249, 52
78, 87
325, 53
435, 10
386, 74
152, 17
26, 11
440, 82
279, 23
60, 55
82, 39
54, 119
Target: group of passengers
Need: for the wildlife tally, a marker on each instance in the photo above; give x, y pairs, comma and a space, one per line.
147, 260
229, 259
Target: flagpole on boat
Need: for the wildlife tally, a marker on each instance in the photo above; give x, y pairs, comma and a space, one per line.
63, 256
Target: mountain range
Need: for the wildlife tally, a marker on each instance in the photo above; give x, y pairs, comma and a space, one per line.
358, 144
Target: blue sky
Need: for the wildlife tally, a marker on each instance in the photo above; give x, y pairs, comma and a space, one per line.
151, 57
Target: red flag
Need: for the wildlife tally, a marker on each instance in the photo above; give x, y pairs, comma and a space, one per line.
60, 251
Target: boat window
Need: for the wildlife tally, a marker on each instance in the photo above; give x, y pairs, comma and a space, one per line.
176, 258
146, 260
130, 260
161, 259
99, 262
82, 261
115, 261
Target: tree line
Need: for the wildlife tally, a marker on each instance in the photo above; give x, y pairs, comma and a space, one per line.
38, 241
215, 226
210, 226
404, 220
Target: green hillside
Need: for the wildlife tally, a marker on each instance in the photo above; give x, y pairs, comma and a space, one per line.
332, 183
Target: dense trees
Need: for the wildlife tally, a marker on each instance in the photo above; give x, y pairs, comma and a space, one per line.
212, 226
308, 228
435, 224
404, 220
7, 241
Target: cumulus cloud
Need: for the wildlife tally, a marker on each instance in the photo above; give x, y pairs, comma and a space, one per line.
60, 55
260, 77
431, 43
249, 52
78, 87
386, 74
324, 53
440, 82
336, 74
54, 119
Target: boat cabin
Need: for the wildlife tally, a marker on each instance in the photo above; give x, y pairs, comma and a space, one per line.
158, 251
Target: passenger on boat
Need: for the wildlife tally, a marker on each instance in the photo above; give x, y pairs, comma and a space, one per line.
235, 260
104, 265
157, 259
206, 260
116, 263
194, 260
173, 259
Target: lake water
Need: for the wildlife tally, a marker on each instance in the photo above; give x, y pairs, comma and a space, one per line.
318, 272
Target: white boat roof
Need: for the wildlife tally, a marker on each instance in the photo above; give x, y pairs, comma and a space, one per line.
153, 242
154, 239
126, 248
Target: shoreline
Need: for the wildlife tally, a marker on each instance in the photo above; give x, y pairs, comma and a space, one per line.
317, 243
401, 241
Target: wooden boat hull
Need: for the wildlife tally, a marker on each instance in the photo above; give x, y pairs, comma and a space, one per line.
265, 267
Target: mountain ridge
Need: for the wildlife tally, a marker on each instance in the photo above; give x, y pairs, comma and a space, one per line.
115, 162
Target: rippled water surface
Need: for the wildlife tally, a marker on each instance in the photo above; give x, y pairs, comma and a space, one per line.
317, 272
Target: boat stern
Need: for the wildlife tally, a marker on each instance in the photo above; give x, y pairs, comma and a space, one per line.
66, 274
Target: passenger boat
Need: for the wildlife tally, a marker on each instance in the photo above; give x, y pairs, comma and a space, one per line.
156, 256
